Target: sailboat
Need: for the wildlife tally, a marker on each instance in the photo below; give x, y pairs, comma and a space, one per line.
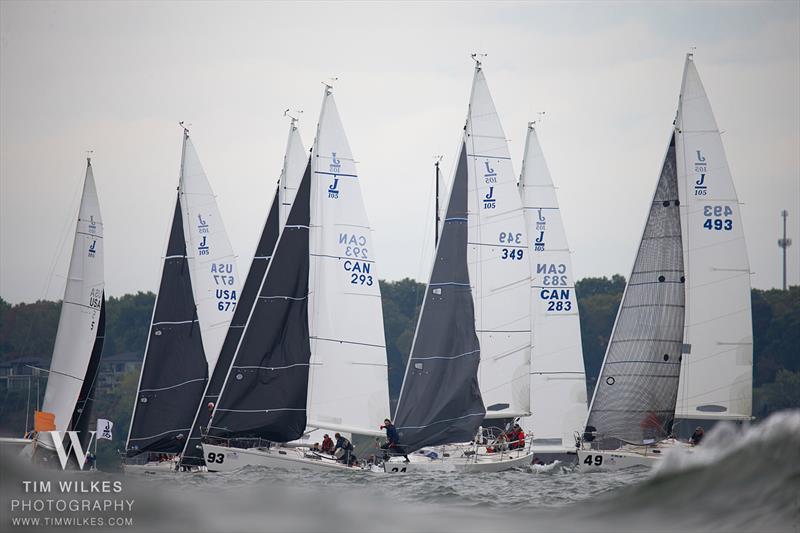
682, 342
294, 164
470, 358
312, 354
79, 338
558, 380
196, 301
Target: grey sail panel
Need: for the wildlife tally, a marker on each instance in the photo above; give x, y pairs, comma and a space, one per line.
635, 395
193, 454
265, 392
440, 401
175, 370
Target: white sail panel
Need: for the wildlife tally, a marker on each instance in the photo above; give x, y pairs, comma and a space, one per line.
498, 260
717, 372
294, 164
80, 313
558, 381
212, 265
348, 383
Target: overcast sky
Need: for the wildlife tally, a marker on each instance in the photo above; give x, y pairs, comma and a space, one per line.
117, 77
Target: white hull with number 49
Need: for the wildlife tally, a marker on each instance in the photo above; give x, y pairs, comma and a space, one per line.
628, 456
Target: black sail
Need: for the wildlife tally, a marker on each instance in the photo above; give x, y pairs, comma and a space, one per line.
82, 414
635, 396
440, 401
193, 454
265, 392
175, 369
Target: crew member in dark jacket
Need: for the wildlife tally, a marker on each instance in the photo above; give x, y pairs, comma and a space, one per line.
697, 436
348, 457
392, 440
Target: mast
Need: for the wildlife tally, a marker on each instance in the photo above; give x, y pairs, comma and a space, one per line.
436, 216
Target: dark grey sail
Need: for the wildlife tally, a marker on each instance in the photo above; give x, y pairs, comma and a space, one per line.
265, 392
440, 401
193, 453
634, 399
82, 414
175, 369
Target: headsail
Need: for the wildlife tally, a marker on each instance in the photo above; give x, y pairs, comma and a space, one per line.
440, 401
81, 312
717, 372
498, 259
634, 399
348, 383
196, 300
558, 382
264, 393
294, 164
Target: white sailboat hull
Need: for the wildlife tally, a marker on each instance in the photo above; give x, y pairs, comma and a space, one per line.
473, 463
226, 459
628, 456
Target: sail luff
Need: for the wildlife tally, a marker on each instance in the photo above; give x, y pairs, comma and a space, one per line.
81, 416
80, 311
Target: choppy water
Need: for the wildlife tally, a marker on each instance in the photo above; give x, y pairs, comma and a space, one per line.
740, 479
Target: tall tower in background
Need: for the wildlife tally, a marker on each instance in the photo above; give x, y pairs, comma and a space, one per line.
784, 244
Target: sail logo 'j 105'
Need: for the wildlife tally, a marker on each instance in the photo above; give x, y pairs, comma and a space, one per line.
700, 168
333, 188
202, 226
93, 248
92, 225
489, 171
489, 200
202, 248
538, 244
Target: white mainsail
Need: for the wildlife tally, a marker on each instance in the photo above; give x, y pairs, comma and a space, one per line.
558, 381
717, 368
80, 313
498, 258
348, 383
212, 265
294, 164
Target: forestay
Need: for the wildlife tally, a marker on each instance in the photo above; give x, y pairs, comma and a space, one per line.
558, 382
634, 399
440, 402
717, 372
498, 259
79, 322
348, 384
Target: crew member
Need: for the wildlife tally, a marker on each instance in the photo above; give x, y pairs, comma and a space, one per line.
393, 440
327, 444
697, 436
342, 443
